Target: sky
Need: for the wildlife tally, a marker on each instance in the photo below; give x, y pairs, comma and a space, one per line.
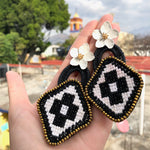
132, 15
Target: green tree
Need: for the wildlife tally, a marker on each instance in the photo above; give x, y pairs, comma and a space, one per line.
26, 17
68, 42
7, 53
17, 42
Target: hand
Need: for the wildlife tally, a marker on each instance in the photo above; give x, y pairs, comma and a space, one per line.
24, 124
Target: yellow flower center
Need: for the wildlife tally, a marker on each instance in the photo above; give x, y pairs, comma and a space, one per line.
105, 36
80, 56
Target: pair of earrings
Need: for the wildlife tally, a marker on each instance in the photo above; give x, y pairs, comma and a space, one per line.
114, 88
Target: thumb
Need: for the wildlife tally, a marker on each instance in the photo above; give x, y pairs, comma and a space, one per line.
18, 98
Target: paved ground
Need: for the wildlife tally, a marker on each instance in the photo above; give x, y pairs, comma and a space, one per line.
37, 83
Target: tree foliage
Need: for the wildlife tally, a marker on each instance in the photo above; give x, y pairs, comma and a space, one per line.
68, 42
142, 45
26, 17
7, 53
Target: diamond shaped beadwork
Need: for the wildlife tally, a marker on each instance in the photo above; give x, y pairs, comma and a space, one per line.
64, 111
114, 88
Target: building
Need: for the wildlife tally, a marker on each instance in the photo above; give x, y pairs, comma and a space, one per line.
76, 24
50, 51
126, 43
34, 60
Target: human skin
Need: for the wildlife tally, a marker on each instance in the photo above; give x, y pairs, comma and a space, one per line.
24, 123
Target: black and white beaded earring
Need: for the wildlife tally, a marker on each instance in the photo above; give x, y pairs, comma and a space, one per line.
64, 110
114, 87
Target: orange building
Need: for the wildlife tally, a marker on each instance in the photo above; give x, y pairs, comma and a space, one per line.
75, 23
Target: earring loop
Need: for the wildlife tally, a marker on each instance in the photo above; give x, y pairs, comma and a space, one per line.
116, 50
85, 74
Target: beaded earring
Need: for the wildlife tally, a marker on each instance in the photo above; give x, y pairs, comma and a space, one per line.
114, 87
64, 110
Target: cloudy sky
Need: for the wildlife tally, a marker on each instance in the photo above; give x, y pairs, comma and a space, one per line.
131, 14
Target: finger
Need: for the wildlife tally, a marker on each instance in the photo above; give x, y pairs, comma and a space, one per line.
107, 17
117, 27
84, 37
17, 94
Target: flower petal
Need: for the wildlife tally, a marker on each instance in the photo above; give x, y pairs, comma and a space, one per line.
109, 43
83, 64
74, 62
96, 34
99, 43
113, 34
84, 49
106, 27
74, 52
89, 56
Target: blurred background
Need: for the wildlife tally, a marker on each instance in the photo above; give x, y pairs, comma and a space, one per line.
35, 36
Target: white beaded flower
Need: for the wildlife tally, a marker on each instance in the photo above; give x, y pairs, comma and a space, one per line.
81, 56
105, 36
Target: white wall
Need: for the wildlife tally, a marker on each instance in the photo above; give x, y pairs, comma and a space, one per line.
51, 50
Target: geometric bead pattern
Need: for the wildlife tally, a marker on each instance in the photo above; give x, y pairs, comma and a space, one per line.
114, 88
64, 111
